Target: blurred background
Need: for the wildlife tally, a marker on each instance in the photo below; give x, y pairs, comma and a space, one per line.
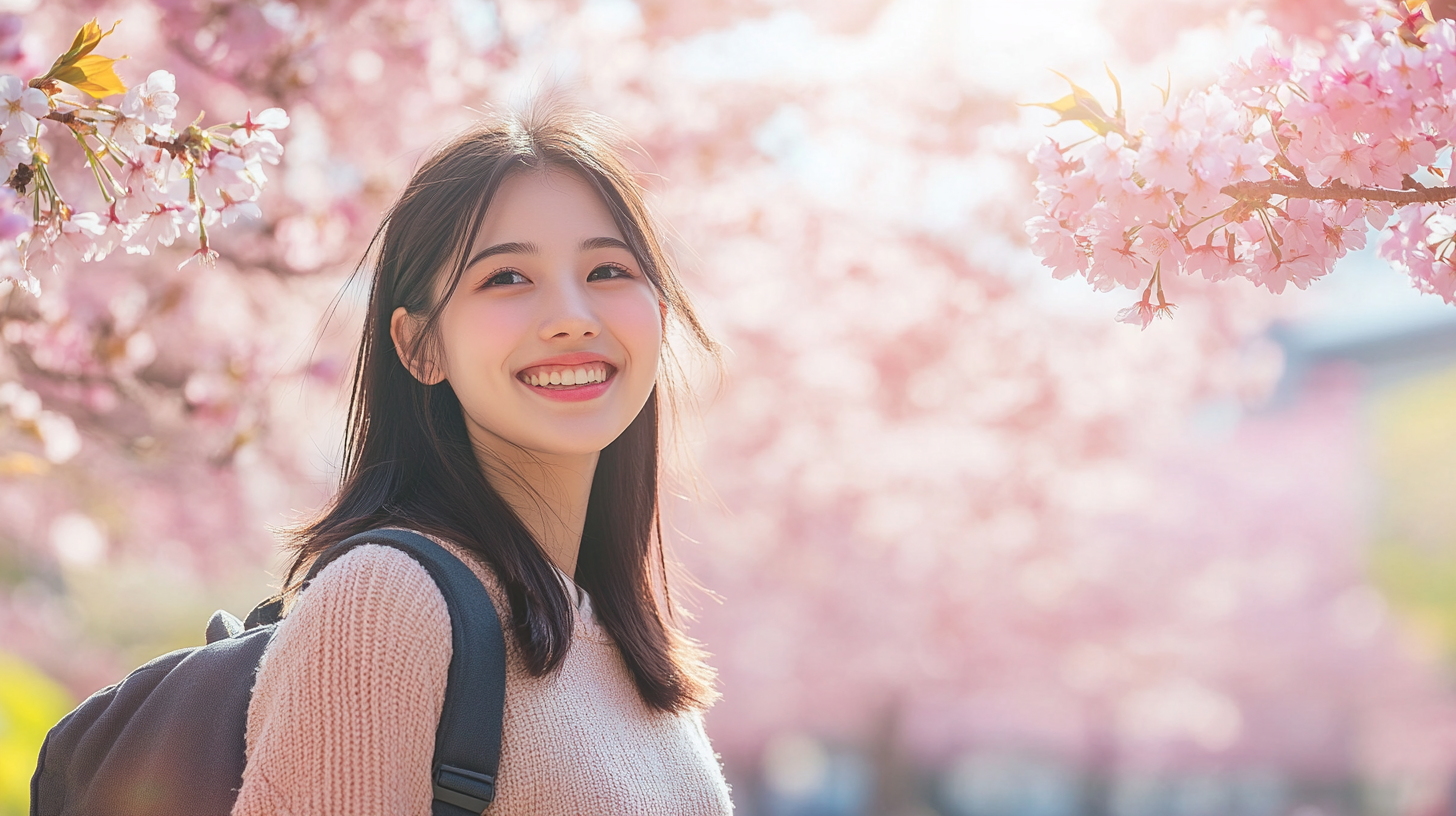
968, 546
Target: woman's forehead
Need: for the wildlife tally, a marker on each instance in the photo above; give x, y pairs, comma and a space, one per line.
548, 208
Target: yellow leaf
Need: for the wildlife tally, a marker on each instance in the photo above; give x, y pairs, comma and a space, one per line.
93, 74
1074, 108
87, 38
1081, 106
85, 42
88, 33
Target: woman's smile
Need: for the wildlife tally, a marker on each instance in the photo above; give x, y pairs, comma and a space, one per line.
569, 377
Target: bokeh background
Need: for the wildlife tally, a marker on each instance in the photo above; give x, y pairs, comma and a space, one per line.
968, 546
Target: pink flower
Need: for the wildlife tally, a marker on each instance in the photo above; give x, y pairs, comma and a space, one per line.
152, 179
233, 210
1350, 163
262, 148
1265, 68
269, 119
1109, 160
1406, 154
1080, 192
1142, 313
1203, 199
1273, 272
205, 257
1165, 163
1147, 205
1115, 262
1404, 68
21, 107
1139, 314
225, 178
1056, 246
1210, 261
1161, 245
13, 153
1051, 161
161, 226
152, 103
86, 233
1177, 124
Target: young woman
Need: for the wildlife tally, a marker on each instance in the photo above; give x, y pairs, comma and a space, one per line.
505, 403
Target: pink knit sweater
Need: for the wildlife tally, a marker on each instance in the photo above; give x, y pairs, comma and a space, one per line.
343, 714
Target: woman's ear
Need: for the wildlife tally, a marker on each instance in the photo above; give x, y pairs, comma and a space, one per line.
404, 330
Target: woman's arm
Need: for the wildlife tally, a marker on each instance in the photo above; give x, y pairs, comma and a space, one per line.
348, 697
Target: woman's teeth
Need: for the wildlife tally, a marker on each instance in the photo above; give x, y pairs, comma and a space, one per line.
568, 376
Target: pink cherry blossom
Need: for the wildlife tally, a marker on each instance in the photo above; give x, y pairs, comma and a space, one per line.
1165, 163
1057, 246
153, 103
13, 153
1139, 314
21, 107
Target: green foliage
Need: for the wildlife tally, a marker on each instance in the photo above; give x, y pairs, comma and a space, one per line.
30, 703
1413, 558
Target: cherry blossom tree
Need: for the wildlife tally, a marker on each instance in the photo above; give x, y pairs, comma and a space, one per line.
931, 464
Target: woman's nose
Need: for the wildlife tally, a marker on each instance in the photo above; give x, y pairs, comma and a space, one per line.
567, 313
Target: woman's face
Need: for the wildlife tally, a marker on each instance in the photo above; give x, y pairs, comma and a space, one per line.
552, 336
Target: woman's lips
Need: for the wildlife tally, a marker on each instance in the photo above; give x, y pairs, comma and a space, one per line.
569, 383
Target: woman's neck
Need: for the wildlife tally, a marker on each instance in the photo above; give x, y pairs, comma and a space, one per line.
548, 492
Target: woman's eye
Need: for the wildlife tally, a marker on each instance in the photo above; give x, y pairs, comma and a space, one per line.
505, 277
607, 272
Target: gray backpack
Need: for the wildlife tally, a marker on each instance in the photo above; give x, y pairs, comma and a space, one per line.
168, 740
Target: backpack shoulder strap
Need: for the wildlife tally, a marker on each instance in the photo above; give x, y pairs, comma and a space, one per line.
468, 739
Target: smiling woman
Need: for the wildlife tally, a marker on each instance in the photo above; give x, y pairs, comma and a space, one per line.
505, 403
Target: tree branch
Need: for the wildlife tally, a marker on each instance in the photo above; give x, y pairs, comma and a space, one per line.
1258, 192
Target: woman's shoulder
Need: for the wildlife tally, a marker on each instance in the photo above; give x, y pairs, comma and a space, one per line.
371, 562
369, 567
477, 564
368, 640
372, 586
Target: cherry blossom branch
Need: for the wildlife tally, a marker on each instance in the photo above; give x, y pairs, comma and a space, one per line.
1339, 134
167, 181
1260, 191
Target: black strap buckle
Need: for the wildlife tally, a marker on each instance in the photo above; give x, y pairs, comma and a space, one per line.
466, 789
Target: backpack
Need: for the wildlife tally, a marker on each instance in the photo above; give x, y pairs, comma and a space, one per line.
169, 739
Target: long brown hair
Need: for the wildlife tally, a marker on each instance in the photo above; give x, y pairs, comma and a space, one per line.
408, 461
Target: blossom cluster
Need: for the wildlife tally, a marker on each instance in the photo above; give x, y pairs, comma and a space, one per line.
1272, 174
155, 180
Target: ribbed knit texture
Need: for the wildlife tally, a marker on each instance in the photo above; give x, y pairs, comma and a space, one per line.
343, 714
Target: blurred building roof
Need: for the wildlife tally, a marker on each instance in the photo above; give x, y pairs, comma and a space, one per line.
1367, 315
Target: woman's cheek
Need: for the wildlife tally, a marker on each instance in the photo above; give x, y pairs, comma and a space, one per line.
637, 322
479, 338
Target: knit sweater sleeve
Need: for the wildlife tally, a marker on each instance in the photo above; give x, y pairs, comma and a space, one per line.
348, 696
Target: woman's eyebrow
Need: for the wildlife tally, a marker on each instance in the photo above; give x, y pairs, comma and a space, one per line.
528, 248
511, 248
604, 243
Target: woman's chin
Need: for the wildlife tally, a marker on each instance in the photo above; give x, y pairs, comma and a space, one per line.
563, 440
